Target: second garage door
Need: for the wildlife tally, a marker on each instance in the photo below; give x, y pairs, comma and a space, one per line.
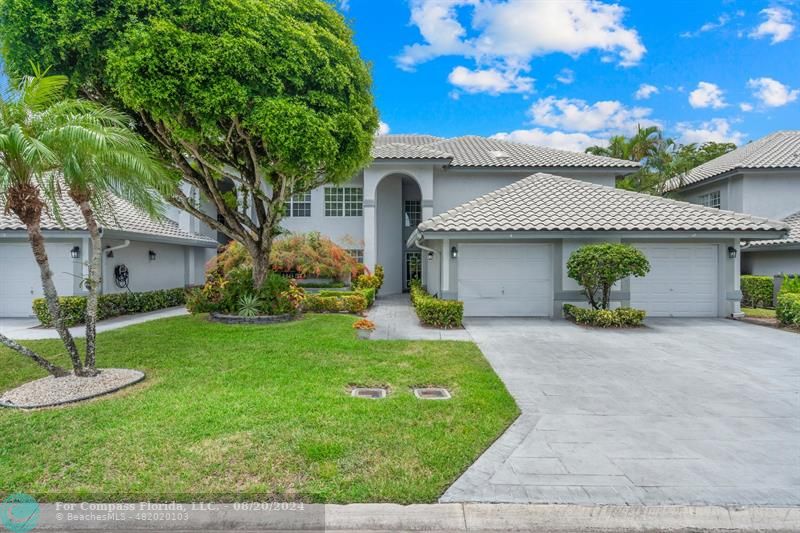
505, 279
682, 282
20, 281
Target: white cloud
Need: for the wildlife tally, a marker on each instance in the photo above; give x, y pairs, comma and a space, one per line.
779, 24
344, 5
721, 21
578, 115
491, 80
383, 128
566, 76
707, 95
576, 142
645, 91
772, 93
714, 130
507, 34
746, 106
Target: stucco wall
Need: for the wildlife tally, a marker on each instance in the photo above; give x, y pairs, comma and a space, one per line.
771, 194
730, 193
771, 263
166, 272
389, 215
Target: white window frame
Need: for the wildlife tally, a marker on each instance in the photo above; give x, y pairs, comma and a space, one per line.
356, 253
412, 213
344, 201
299, 205
711, 199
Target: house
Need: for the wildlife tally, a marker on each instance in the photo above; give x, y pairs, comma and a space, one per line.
155, 255
492, 223
761, 178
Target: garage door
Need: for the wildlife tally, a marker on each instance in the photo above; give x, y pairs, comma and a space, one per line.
19, 276
683, 280
505, 279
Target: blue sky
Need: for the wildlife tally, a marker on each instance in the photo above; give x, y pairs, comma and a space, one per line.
566, 73
704, 70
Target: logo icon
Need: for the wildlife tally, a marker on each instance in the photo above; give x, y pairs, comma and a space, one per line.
19, 513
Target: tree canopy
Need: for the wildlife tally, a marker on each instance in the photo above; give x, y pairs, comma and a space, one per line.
662, 158
597, 267
238, 94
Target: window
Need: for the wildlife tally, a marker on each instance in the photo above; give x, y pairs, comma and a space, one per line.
344, 201
711, 199
412, 213
357, 254
299, 205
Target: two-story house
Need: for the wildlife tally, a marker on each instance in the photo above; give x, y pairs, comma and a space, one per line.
761, 178
493, 223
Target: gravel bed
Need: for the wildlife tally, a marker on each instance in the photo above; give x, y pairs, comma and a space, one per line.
51, 391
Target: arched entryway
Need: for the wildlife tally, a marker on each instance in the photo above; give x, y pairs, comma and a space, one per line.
398, 210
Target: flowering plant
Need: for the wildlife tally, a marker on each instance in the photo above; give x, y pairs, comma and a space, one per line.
364, 324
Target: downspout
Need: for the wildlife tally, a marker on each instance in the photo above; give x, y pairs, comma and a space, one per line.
119, 247
418, 238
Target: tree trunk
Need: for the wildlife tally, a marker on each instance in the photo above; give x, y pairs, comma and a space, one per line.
51, 296
55, 370
261, 266
94, 282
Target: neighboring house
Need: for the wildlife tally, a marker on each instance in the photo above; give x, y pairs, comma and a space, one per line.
506, 253
157, 255
761, 178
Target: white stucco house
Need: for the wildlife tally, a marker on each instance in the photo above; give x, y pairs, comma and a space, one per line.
760, 178
492, 223
156, 255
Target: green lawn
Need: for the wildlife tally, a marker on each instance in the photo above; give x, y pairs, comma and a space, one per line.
250, 412
755, 312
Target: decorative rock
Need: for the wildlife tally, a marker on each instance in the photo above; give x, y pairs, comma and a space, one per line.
261, 319
52, 391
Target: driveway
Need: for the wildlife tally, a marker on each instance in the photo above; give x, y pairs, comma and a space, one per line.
680, 412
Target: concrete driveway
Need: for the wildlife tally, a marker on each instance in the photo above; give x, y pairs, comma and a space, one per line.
680, 412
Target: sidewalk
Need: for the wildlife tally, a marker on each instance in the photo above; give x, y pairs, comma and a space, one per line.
26, 329
395, 319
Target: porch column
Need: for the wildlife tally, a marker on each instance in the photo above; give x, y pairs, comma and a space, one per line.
445, 266
370, 230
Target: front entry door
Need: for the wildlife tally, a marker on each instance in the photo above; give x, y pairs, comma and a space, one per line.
413, 267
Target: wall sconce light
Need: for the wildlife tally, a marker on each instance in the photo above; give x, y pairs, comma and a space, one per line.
75, 253
731, 252
152, 255
454, 252
109, 253
430, 256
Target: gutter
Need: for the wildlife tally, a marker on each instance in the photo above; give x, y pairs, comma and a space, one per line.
417, 237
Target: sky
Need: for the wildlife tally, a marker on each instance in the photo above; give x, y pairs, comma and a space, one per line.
570, 73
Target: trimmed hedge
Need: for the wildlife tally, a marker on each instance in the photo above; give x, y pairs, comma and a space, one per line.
622, 317
788, 309
353, 303
434, 312
110, 305
369, 294
757, 291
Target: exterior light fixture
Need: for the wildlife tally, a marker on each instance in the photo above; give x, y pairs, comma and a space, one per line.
430, 256
75, 253
152, 255
731, 252
109, 253
454, 252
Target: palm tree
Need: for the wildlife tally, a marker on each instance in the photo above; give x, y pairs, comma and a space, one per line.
26, 156
103, 158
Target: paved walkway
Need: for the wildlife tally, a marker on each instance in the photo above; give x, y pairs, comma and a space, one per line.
699, 412
26, 329
395, 319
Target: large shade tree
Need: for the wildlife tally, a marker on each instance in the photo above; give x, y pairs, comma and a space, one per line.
251, 100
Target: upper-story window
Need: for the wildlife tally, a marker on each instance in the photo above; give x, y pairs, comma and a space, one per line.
356, 253
412, 213
299, 205
711, 199
344, 201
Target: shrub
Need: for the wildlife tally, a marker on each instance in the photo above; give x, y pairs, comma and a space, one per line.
790, 284
365, 280
369, 294
434, 312
111, 305
757, 291
788, 308
622, 317
596, 267
352, 303
366, 325
224, 293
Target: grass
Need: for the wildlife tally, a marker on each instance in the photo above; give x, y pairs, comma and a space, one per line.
252, 413
757, 312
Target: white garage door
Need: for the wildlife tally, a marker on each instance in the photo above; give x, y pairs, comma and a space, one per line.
682, 282
19, 276
505, 279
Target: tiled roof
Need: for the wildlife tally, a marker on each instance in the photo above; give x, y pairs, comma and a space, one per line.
123, 217
793, 237
544, 202
473, 151
407, 151
777, 150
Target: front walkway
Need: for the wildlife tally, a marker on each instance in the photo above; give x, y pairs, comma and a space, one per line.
395, 319
682, 412
27, 329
